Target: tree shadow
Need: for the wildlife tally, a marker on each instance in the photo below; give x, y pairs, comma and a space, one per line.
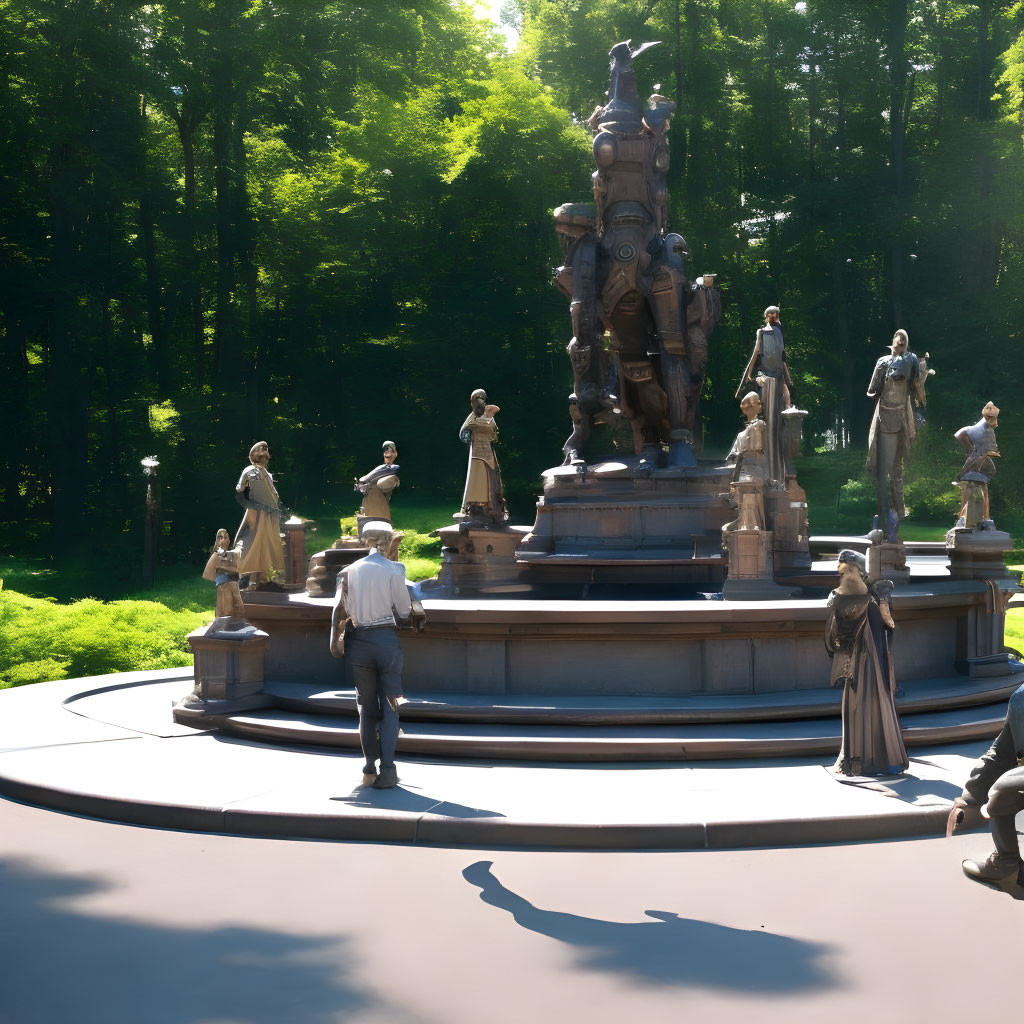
670, 950
65, 964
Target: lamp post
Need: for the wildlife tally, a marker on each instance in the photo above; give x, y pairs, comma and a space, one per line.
151, 535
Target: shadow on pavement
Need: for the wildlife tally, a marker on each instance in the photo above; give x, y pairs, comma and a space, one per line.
402, 799
670, 950
65, 964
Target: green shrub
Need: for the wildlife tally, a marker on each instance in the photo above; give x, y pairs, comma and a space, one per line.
90, 637
41, 671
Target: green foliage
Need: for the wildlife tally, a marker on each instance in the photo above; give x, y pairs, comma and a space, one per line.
41, 638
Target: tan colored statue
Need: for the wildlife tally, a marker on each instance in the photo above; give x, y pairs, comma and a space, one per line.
749, 453
222, 569
979, 441
259, 533
482, 500
378, 485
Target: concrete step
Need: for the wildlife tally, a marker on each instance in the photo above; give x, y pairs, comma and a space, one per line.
916, 696
587, 743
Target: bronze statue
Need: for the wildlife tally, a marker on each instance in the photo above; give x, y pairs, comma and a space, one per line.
979, 441
858, 638
482, 500
749, 456
998, 780
378, 485
222, 569
768, 371
624, 273
898, 385
259, 533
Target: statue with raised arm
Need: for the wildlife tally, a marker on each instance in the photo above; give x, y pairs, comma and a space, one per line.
768, 372
897, 385
979, 441
222, 569
624, 273
378, 485
482, 500
259, 534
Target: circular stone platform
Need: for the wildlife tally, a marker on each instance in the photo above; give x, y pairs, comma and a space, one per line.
107, 747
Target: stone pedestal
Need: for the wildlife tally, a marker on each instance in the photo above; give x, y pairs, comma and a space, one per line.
228, 674
294, 552
977, 554
787, 516
623, 510
752, 567
887, 560
480, 559
324, 566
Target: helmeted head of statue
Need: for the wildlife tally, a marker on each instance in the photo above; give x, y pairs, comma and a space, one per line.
991, 414
259, 453
772, 314
389, 451
850, 560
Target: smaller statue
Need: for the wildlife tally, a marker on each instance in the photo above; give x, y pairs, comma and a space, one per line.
979, 441
222, 569
378, 485
897, 383
996, 781
768, 371
259, 533
748, 453
482, 500
858, 639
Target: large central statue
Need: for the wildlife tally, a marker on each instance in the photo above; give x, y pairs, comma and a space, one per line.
625, 275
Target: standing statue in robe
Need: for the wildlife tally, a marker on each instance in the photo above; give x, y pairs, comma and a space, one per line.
768, 371
378, 485
482, 500
897, 384
259, 533
858, 638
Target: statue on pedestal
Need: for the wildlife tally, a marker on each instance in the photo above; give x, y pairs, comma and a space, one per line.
858, 638
482, 500
625, 275
378, 485
259, 533
222, 569
897, 384
979, 441
749, 454
768, 371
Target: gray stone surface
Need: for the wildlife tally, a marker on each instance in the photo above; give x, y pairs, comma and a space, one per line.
211, 783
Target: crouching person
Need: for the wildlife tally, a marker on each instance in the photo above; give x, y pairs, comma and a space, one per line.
373, 596
997, 781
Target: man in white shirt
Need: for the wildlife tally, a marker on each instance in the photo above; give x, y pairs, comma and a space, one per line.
372, 593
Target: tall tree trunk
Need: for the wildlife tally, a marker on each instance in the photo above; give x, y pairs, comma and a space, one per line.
896, 39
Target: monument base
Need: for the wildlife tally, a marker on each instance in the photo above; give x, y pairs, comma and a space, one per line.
228, 674
477, 558
977, 554
887, 560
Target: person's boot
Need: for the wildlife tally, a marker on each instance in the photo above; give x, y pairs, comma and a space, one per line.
1002, 866
369, 774
388, 777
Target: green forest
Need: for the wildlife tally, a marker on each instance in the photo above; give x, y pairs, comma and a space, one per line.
324, 224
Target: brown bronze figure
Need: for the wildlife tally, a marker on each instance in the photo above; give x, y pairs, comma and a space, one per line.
624, 273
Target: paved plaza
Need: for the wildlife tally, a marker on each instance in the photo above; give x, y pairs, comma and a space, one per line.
112, 923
